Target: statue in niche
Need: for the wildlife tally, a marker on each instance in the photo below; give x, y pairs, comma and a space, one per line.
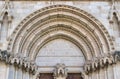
60, 71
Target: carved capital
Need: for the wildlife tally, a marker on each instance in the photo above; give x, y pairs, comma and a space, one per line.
4, 56
116, 56
99, 63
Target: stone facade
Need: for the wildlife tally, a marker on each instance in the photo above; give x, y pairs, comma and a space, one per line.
60, 38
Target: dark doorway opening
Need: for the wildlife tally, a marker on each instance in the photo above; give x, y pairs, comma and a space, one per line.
70, 76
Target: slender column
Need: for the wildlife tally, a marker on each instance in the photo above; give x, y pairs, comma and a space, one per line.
102, 74
33, 76
90, 76
94, 75
114, 70
16, 72
110, 72
19, 73
117, 70
30, 76
3, 69
24, 75
97, 74
105, 71
11, 74
86, 77
27, 75
7, 71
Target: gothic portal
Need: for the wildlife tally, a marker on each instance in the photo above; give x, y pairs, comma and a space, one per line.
42, 39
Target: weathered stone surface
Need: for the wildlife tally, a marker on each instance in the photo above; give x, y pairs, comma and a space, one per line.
83, 35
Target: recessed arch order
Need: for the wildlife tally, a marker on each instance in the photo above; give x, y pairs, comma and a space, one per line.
60, 21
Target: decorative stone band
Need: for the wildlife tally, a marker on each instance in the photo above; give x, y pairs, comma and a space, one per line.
18, 61
101, 62
23, 64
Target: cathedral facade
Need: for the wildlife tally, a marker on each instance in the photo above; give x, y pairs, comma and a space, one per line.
59, 39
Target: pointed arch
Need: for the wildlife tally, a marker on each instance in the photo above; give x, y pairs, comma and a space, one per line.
4, 27
116, 24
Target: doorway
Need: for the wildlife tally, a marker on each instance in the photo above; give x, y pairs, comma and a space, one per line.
70, 76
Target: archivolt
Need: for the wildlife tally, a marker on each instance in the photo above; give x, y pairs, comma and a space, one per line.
60, 21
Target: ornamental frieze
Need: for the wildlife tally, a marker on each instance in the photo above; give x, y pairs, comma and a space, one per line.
60, 70
18, 61
101, 62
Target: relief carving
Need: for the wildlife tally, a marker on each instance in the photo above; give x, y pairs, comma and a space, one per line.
4, 56
101, 62
60, 71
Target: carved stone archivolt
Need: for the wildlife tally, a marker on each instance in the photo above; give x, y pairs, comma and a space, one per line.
60, 71
60, 22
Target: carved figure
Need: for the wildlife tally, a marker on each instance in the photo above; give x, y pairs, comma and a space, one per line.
60, 71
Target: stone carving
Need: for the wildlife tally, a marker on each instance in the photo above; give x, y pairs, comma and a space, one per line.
116, 56
97, 63
34, 15
24, 63
113, 10
37, 75
6, 9
4, 56
60, 71
19, 61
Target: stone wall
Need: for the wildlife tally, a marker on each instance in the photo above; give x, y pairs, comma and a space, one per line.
20, 66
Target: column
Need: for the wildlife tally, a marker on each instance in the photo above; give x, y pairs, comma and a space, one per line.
11, 73
3, 70
89, 76
25, 75
30, 76
94, 75
117, 70
19, 73
105, 70
114, 71
110, 72
101, 74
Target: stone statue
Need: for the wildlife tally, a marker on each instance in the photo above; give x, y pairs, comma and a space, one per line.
60, 71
